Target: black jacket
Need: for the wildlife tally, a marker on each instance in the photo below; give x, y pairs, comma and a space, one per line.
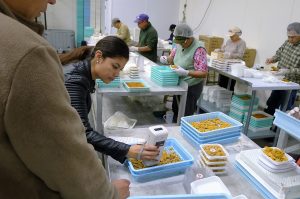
80, 85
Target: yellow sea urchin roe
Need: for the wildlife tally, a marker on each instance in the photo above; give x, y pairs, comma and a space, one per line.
169, 156
135, 84
275, 154
210, 124
214, 150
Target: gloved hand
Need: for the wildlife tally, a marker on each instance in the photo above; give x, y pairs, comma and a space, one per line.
227, 55
133, 49
269, 61
163, 59
181, 71
295, 113
280, 72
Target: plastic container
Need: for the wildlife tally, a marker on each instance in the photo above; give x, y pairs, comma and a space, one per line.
209, 185
235, 126
196, 144
145, 88
156, 172
260, 122
213, 150
289, 158
164, 76
113, 84
211, 162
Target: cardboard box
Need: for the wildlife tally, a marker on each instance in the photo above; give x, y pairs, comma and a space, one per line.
249, 57
211, 42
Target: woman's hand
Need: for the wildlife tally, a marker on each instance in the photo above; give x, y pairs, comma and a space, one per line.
122, 186
143, 152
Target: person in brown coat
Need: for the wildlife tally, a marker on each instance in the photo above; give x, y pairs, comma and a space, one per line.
44, 153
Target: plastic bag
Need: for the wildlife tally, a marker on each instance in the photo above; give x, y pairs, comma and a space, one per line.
119, 121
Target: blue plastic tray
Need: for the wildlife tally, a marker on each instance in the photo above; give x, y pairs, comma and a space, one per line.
186, 196
239, 101
186, 159
146, 88
113, 84
202, 136
196, 144
213, 138
287, 123
165, 83
235, 125
258, 186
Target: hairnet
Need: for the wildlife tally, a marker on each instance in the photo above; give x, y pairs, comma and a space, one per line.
234, 31
183, 30
114, 21
293, 29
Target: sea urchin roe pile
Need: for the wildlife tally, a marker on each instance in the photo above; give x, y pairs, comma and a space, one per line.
214, 150
275, 154
259, 115
167, 157
210, 124
135, 84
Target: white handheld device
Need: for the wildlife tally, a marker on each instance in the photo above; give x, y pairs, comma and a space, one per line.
157, 136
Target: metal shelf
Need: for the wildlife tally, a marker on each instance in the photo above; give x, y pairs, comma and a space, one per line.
208, 106
260, 134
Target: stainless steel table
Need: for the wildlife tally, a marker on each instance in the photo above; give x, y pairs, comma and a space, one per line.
155, 89
256, 84
177, 185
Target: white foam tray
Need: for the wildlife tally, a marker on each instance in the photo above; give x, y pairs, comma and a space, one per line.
273, 182
211, 184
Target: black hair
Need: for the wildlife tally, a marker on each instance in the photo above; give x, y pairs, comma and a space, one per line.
112, 46
172, 27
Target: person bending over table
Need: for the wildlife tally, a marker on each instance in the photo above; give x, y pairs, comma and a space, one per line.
107, 60
233, 49
288, 58
189, 56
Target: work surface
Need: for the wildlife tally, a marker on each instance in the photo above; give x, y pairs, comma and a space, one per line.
180, 184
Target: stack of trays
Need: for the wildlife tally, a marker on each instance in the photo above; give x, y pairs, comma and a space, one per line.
164, 76
113, 84
269, 184
214, 157
167, 170
223, 135
224, 64
240, 105
259, 121
276, 166
135, 85
134, 72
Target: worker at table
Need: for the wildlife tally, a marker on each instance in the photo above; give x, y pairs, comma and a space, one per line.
189, 56
234, 48
148, 38
288, 58
108, 58
122, 30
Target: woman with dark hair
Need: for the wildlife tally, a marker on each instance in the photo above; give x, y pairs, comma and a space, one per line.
171, 29
107, 60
